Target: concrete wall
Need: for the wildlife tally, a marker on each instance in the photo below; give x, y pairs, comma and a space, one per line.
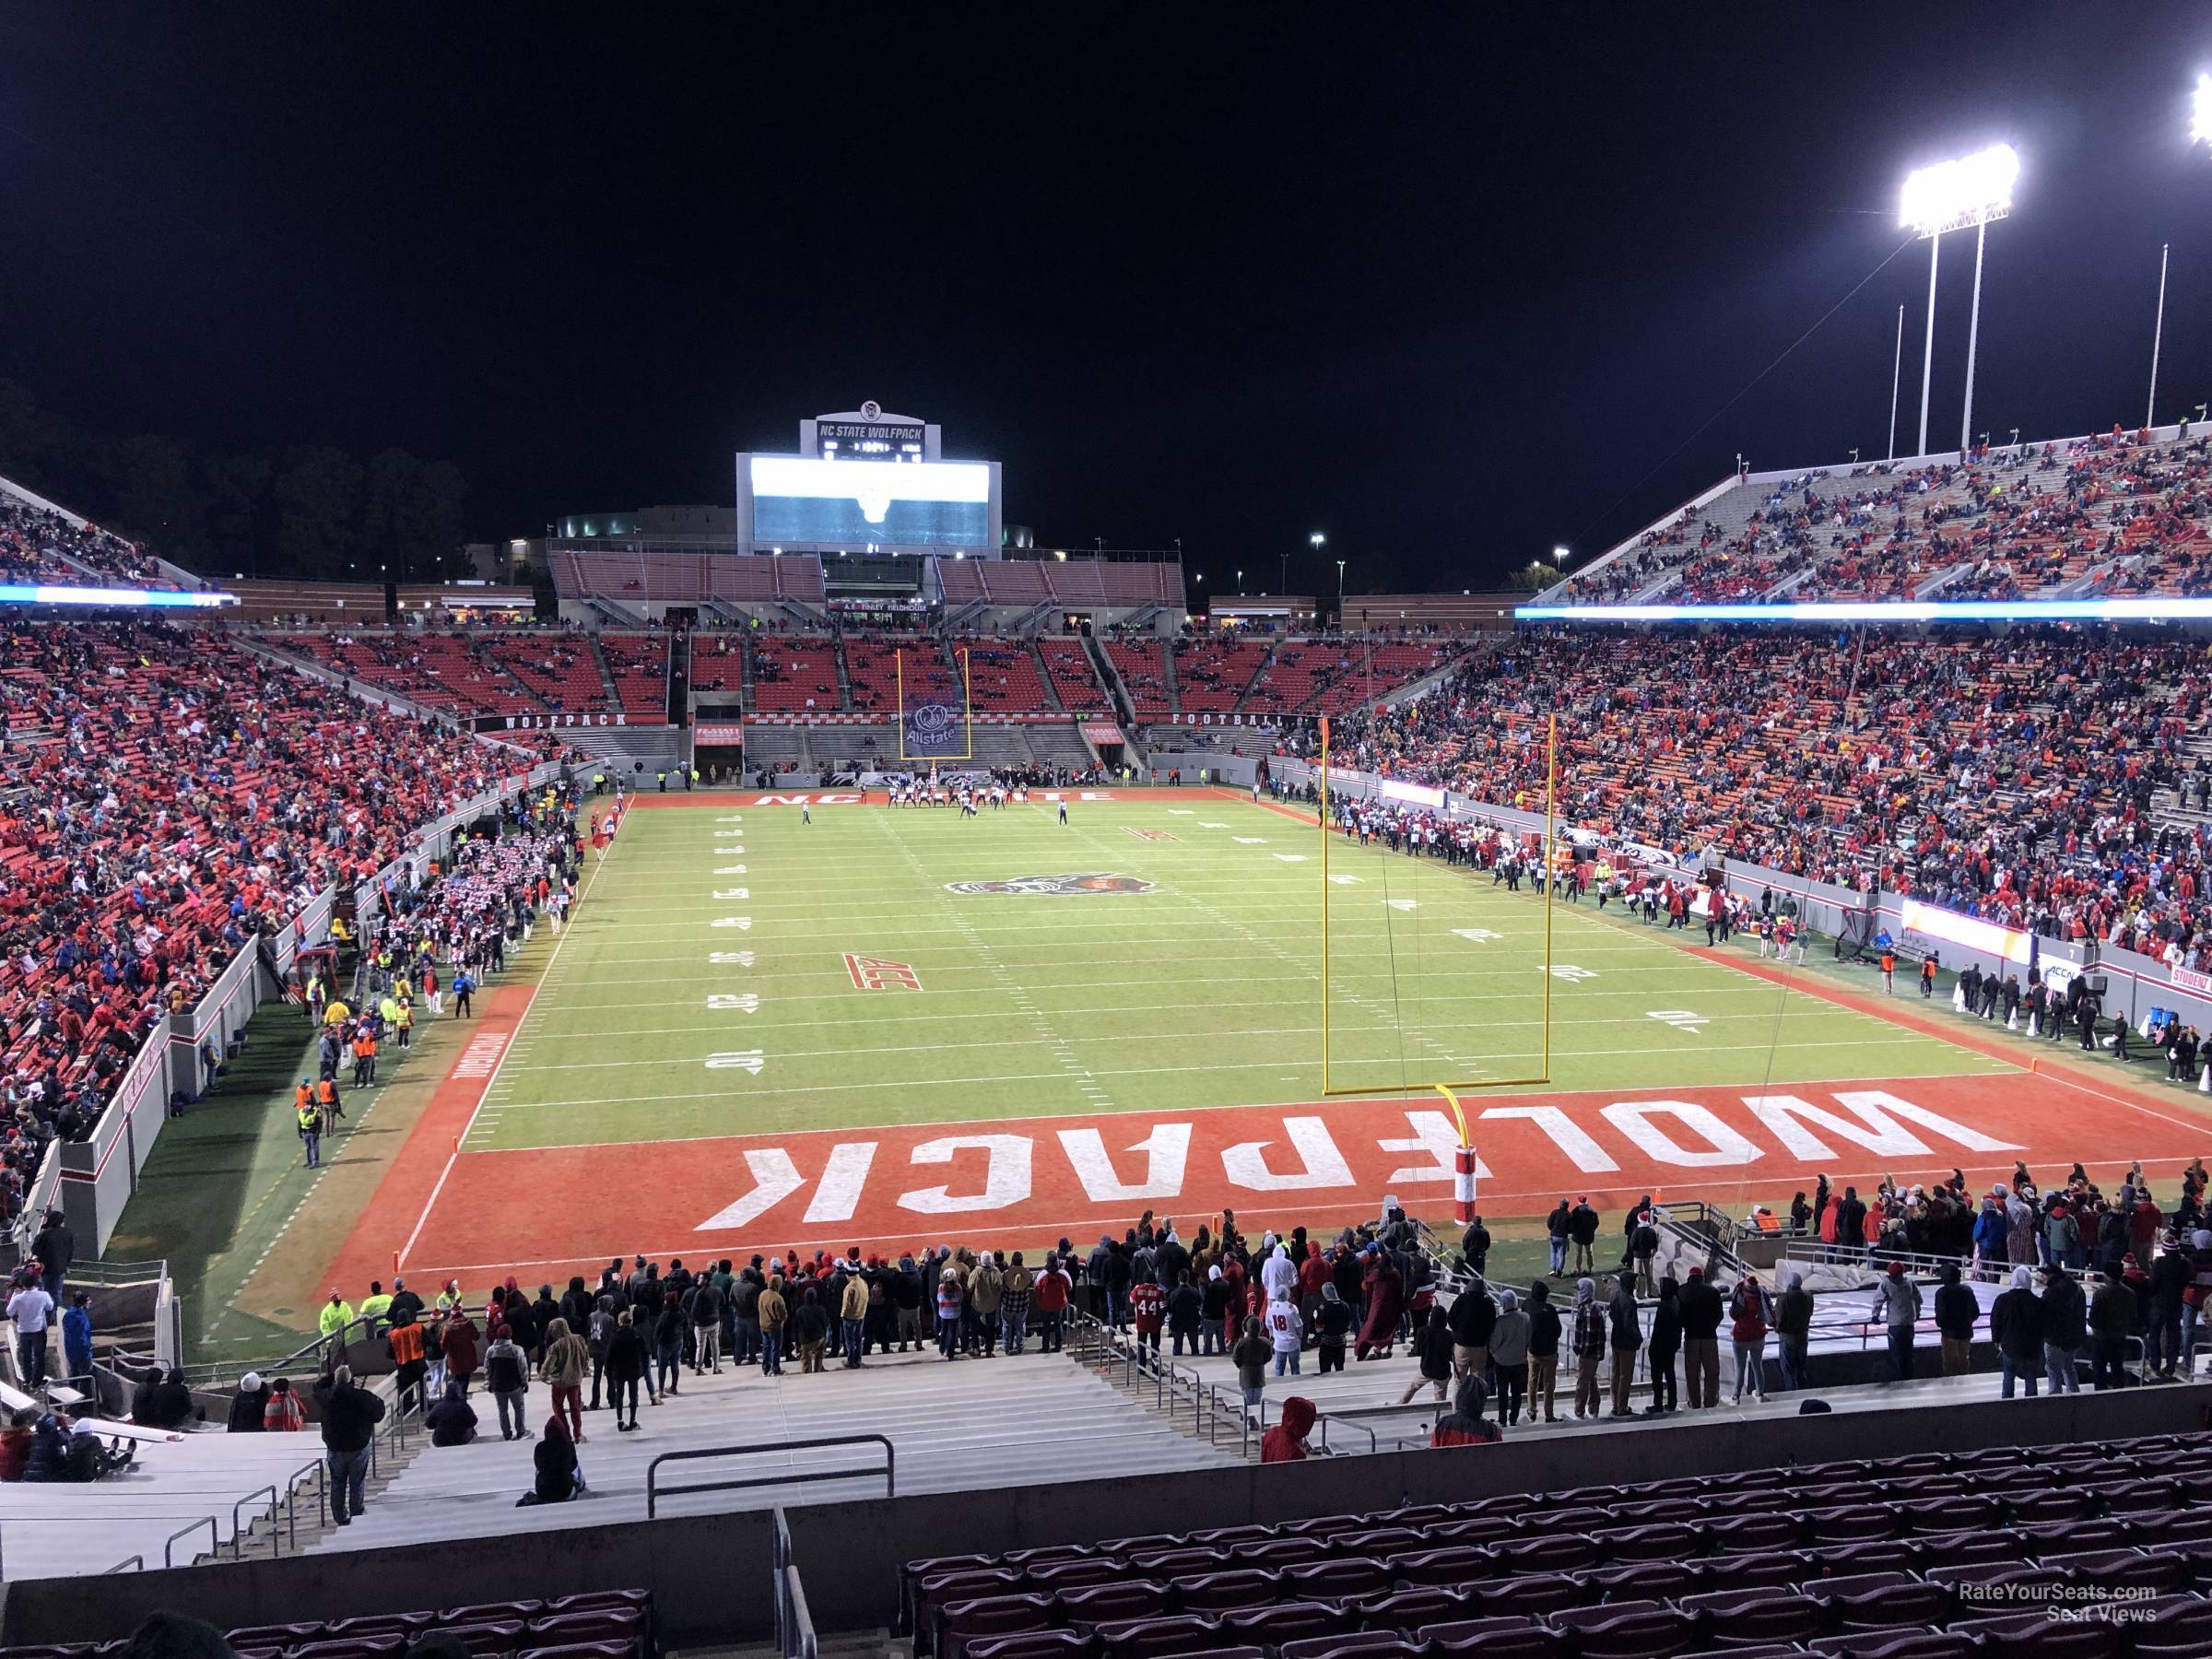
709, 1577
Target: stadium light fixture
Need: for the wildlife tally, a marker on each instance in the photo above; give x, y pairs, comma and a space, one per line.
2200, 123
1560, 554
1957, 195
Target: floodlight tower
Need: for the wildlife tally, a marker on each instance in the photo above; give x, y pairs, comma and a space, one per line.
1953, 195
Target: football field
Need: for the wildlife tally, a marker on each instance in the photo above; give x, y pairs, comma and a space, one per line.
889, 1024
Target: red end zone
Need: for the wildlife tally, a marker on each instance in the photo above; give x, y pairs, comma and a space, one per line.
1028, 1180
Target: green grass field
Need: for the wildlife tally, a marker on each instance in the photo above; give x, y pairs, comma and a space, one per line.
1203, 991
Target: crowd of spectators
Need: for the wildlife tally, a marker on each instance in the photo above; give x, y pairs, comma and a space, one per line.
2016, 779
166, 801
38, 544
2120, 509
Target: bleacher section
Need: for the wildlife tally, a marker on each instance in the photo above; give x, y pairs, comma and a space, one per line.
928, 1409
1075, 584
43, 543
1075, 681
873, 665
795, 675
1211, 674
638, 665
2117, 513
717, 660
560, 669
451, 674
1923, 1557
644, 577
1004, 676
1143, 665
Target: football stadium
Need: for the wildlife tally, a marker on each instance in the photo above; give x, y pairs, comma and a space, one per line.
1602, 1054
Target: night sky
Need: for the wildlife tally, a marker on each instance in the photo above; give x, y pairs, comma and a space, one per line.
1448, 284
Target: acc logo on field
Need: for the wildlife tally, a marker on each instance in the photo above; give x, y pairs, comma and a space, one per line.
1055, 885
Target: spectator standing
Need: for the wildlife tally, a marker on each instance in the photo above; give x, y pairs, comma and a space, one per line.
775, 1313
56, 1250
1666, 1344
1543, 1333
461, 1345
507, 1379
283, 1413
1897, 1305
567, 1358
1557, 1230
2111, 1322
349, 1417
1701, 1312
1750, 1315
1332, 1323
1956, 1312
2066, 1329
2015, 1323
250, 1405
1792, 1330
32, 1310
1433, 1351
1509, 1356
1589, 1344
1626, 1339
1251, 1355
77, 1340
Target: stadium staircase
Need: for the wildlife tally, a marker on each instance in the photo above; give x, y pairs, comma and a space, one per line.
607, 675
960, 1426
844, 677
1101, 664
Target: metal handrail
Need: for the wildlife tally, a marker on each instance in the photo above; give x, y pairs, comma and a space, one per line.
238, 1533
808, 1645
1372, 1445
137, 1561
214, 1539
889, 1471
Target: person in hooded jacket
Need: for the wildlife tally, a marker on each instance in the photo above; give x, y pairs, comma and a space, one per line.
2111, 1322
1625, 1339
1332, 1323
567, 1358
1286, 1442
1750, 1315
2016, 1321
1252, 1354
1956, 1312
2169, 1277
1465, 1425
87, 1460
166, 1404
626, 1365
1665, 1345
452, 1420
810, 1331
49, 1455
1589, 1339
2066, 1329
1545, 1329
1385, 1288
1432, 1349
1508, 1355
1473, 1317
558, 1476
249, 1405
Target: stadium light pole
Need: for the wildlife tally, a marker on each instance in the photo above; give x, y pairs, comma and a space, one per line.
2157, 333
1957, 195
1897, 373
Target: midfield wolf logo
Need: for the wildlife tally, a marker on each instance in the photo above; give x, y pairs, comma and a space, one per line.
1053, 885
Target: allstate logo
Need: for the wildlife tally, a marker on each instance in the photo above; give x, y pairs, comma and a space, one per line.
932, 720
871, 410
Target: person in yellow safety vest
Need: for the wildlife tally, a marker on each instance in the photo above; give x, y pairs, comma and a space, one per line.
389, 1009
338, 930
376, 1304
401, 987
450, 1297
404, 1020
336, 1012
311, 1131
337, 1315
